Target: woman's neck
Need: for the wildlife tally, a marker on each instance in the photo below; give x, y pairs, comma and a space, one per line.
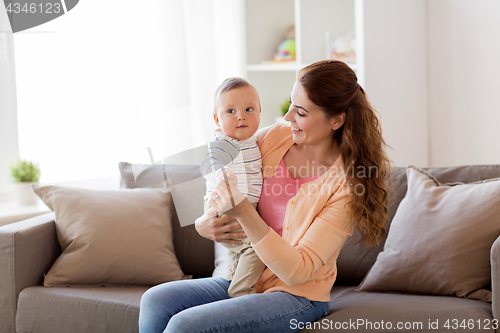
321, 154
304, 161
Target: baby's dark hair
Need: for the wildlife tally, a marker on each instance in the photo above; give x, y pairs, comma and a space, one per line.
227, 85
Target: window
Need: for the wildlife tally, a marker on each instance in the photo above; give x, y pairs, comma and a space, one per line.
108, 79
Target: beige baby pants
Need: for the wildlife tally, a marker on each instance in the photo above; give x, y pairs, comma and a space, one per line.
245, 266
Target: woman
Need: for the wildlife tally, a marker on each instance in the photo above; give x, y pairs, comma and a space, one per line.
323, 175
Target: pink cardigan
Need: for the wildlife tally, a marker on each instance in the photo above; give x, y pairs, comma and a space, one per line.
303, 261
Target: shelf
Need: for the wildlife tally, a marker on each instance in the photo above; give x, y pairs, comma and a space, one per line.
13, 212
273, 66
285, 66
318, 23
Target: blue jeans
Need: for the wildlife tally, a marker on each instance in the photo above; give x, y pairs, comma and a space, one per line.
203, 305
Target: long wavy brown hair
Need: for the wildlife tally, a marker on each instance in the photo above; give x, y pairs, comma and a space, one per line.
333, 86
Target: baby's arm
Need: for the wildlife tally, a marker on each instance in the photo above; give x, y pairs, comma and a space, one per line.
220, 154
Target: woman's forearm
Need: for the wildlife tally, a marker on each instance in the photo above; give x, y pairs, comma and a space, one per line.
251, 222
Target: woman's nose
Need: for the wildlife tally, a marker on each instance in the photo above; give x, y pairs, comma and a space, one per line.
288, 116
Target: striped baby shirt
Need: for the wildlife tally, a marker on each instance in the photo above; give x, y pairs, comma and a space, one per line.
242, 157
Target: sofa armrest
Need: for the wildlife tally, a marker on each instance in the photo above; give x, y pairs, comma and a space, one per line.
495, 279
27, 251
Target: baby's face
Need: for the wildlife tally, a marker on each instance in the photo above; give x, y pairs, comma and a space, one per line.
238, 112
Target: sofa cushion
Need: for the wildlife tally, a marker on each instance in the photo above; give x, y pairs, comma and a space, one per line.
111, 237
440, 239
79, 309
350, 308
195, 253
356, 259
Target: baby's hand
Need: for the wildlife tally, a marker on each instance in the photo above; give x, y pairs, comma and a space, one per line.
231, 177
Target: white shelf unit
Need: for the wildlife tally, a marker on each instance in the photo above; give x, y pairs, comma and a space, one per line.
314, 20
391, 59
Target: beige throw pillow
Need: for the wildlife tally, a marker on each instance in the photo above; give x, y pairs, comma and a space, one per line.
121, 237
195, 253
440, 239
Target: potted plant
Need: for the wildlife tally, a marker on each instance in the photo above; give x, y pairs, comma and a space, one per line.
284, 109
24, 173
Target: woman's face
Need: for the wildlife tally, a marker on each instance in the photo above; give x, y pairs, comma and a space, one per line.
310, 124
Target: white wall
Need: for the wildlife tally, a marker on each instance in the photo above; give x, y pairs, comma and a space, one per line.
433, 72
9, 147
464, 81
395, 38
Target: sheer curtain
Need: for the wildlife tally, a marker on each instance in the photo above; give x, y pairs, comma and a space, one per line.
110, 78
8, 118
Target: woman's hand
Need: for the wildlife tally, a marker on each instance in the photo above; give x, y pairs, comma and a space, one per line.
226, 198
231, 177
219, 229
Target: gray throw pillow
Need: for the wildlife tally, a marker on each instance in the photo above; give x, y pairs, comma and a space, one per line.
440, 239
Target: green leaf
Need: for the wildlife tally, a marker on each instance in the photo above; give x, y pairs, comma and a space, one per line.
25, 171
285, 106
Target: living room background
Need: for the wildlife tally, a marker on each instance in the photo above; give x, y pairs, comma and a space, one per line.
92, 88
93, 95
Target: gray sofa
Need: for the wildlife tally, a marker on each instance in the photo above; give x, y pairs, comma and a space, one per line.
28, 248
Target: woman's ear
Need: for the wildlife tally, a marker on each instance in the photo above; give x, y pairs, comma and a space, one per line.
337, 121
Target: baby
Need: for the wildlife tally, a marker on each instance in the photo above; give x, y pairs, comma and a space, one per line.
234, 155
